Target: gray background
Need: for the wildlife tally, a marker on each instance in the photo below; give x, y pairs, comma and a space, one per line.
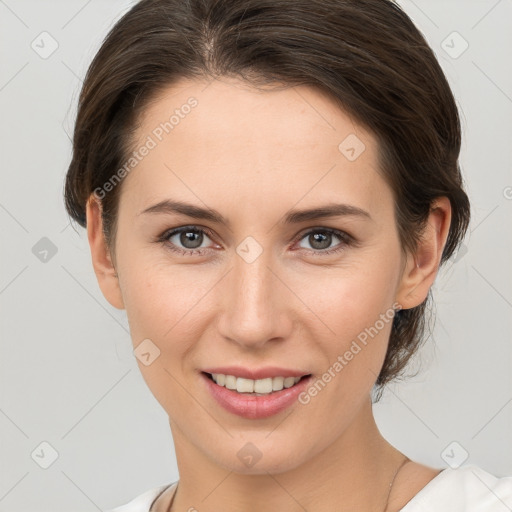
67, 373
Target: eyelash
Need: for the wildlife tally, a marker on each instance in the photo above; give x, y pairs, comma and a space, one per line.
346, 240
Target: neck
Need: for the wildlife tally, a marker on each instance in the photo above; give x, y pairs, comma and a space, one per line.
356, 471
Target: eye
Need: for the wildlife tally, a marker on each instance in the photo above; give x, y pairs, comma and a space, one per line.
190, 240
186, 240
320, 240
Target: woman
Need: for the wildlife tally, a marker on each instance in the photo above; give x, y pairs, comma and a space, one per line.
269, 189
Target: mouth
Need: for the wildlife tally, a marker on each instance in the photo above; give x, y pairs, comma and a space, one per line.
254, 387
254, 398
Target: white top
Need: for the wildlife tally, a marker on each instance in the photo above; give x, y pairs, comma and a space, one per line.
465, 489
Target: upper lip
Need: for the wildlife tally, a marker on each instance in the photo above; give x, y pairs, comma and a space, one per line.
256, 373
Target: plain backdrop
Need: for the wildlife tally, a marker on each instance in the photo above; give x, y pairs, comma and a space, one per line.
79, 430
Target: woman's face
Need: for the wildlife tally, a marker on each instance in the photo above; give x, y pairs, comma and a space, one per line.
267, 291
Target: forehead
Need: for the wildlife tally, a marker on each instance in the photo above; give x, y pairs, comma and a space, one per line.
297, 115
217, 138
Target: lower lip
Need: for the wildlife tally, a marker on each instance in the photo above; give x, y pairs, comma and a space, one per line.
255, 407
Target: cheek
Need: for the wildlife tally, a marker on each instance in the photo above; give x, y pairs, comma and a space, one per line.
350, 299
160, 303
355, 306
171, 306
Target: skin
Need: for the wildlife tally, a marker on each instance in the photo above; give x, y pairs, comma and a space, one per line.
253, 155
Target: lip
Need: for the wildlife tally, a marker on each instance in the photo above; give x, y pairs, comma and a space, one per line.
255, 407
255, 374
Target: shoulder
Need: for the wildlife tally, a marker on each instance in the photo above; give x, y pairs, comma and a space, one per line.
468, 488
143, 502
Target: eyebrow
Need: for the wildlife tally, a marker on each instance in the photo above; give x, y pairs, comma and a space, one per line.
292, 216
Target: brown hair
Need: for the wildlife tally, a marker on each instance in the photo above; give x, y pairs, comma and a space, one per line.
365, 54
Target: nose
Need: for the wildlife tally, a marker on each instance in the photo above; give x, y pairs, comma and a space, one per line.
256, 303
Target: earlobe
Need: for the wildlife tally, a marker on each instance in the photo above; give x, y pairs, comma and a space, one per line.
104, 269
421, 267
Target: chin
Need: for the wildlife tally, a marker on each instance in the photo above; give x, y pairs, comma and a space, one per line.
258, 458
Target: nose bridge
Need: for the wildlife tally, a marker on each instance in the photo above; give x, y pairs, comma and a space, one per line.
254, 312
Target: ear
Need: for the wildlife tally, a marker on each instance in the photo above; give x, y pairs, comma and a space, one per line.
101, 257
421, 267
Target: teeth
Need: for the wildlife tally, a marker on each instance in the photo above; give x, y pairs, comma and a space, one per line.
263, 385
258, 387
230, 381
244, 385
289, 382
277, 383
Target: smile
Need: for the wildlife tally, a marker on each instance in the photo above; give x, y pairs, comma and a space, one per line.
254, 398
258, 387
